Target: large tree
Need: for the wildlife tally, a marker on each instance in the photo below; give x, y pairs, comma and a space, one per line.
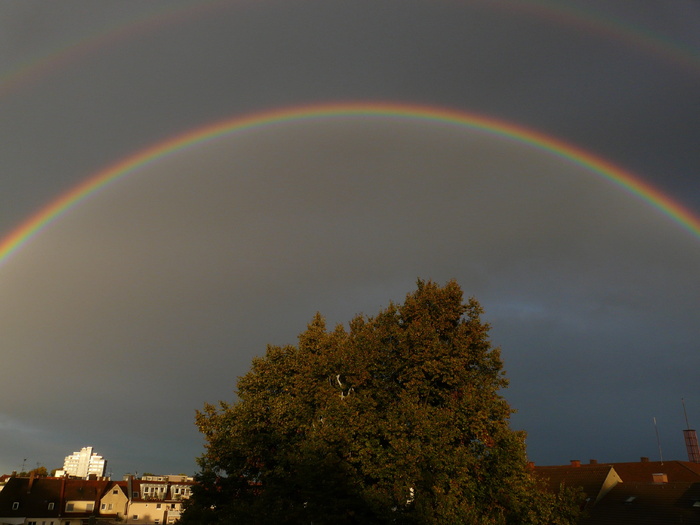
398, 419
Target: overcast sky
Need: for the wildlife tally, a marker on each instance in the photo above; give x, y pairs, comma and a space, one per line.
149, 298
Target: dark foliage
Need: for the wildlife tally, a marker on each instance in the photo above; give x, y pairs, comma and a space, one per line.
396, 420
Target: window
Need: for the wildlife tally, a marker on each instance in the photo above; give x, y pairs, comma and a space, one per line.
109, 507
103, 506
135, 495
157, 505
15, 505
69, 508
51, 507
90, 507
115, 491
135, 517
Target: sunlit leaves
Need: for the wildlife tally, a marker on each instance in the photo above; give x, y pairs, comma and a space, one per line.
397, 419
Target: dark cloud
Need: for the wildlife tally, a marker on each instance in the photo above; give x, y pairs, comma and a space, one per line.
148, 299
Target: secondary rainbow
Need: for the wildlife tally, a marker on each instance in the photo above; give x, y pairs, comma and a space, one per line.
560, 13
355, 110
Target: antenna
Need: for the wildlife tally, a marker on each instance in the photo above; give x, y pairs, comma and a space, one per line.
658, 441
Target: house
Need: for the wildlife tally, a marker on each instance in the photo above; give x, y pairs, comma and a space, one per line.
114, 502
645, 471
148, 501
647, 504
641, 493
50, 501
67, 501
595, 480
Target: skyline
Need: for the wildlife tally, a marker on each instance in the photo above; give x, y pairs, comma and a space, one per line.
218, 192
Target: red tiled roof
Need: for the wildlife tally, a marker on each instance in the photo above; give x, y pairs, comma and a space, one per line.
84, 490
32, 502
642, 471
590, 478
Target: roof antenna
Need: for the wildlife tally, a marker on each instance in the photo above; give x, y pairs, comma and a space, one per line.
658, 441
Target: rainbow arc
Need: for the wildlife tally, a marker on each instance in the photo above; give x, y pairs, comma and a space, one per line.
622, 178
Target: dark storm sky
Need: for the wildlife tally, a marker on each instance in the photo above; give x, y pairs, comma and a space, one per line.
150, 298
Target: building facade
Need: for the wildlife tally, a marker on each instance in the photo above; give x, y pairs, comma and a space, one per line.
70, 501
83, 464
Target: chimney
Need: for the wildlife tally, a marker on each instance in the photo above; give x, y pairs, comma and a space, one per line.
644, 459
61, 498
31, 482
592, 461
531, 465
691, 445
691, 439
575, 462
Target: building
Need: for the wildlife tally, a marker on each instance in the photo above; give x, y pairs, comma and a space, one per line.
595, 480
153, 501
49, 501
70, 501
640, 493
83, 464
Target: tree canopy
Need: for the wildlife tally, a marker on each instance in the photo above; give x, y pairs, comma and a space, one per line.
396, 419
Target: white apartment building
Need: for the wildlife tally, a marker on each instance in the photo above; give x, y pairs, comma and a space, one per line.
83, 464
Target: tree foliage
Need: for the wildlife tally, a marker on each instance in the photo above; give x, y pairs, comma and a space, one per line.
398, 419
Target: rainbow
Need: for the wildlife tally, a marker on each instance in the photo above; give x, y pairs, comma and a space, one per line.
560, 13
356, 110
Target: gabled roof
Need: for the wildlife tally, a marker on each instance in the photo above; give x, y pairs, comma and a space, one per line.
84, 490
33, 500
595, 480
647, 504
638, 471
120, 485
34, 495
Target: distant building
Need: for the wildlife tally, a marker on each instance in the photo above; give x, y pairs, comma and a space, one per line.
83, 464
168, 477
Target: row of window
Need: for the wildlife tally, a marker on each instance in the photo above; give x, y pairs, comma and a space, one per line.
90, 506
15, 505
133, 517
44, 522
69, 506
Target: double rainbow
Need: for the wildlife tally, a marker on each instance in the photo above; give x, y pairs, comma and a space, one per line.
450, 117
